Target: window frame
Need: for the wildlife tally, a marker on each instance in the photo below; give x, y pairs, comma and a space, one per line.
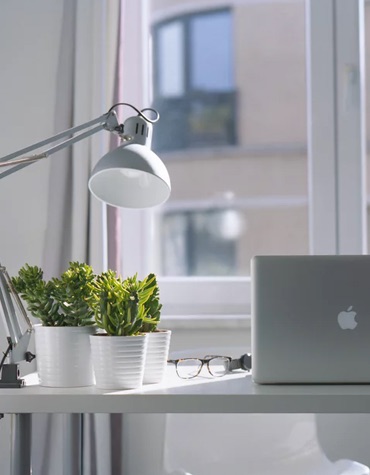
337, 147
337, 213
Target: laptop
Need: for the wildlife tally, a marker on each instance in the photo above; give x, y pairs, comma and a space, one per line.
311, 319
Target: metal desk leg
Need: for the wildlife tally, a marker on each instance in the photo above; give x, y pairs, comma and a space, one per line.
21, 445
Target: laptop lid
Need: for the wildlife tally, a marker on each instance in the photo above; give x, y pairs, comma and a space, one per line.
311, 319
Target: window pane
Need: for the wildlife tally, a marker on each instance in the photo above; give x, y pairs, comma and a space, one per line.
237, 157
201, 242
171, 62
211, 53
204, 113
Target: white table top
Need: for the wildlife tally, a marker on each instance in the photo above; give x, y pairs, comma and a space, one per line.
234, 393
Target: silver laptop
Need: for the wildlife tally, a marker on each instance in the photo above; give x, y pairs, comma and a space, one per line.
311, 319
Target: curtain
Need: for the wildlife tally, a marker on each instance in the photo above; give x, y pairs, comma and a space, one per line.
76, 226
77, 223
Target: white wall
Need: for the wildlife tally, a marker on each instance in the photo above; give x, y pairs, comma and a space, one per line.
29, 43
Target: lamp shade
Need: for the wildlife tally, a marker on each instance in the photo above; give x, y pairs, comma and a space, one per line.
131, 176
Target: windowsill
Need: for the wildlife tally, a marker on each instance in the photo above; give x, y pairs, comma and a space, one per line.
216, 322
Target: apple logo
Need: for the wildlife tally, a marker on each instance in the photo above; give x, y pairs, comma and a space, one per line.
347, 319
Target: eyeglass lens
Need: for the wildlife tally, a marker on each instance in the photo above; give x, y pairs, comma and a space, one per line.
218, 366
190, 367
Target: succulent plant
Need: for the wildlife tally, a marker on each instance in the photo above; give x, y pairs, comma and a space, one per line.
79, 298
121, 306
57, 302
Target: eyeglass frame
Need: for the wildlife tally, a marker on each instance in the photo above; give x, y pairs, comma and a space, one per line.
244, 362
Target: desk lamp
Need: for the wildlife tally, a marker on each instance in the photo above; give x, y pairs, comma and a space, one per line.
131, 176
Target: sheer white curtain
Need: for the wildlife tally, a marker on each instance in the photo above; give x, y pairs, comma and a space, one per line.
77, 222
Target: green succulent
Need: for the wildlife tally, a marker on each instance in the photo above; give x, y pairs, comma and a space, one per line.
57, 302
121, 306
72, 292
152, 304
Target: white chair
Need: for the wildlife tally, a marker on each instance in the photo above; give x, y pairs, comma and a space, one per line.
247, 444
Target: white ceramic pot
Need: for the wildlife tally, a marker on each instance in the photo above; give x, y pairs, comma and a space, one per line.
63, 356
156, 355
118, 361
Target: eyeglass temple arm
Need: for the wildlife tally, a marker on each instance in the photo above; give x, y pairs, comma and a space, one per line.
244, 362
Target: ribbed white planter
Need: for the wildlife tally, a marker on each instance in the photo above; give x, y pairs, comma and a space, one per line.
156, 356
63, 356
118, 361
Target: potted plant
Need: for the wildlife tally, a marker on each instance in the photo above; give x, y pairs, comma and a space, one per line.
158, 341
118, 351
62, 338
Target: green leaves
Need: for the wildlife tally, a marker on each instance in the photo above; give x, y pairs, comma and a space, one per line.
58, 302
151, 303
122, 307
79, 297
72, 291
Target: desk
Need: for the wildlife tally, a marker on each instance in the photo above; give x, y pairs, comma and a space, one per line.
233, 393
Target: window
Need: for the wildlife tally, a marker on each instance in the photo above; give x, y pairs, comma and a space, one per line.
201, 242
231, 199
194, 87
296, 192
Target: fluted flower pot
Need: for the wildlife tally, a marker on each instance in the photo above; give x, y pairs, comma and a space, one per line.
118, 361
63, 356
156, 356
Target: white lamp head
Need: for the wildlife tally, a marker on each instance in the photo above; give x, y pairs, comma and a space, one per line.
132, 175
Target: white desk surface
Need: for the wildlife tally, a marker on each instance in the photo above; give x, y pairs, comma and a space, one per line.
234, 393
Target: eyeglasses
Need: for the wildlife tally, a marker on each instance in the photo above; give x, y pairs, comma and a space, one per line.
187, 368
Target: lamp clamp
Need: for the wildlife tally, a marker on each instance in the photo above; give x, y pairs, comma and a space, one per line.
13, 314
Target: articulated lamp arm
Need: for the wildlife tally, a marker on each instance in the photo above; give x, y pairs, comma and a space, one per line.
107, 121
18, 339
131, 176
11, 303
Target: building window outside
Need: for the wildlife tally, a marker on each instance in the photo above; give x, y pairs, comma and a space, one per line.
201, 242
204, 57
194, 87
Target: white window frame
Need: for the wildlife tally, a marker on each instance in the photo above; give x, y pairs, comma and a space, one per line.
336, 154
336, 131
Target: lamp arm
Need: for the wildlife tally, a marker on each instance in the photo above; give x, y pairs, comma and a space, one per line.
18, 339
8, 308
54, 138
107, 121
62, 145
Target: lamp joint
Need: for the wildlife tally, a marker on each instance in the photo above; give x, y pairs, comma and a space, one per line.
111, 123
29, 356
